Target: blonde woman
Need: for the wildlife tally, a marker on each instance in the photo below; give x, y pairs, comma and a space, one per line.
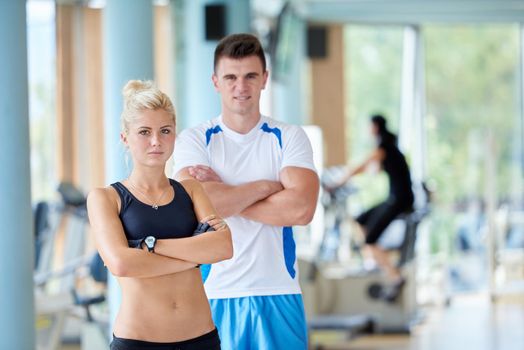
144, 231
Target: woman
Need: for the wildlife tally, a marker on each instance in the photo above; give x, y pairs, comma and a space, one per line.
164, 305
400, 199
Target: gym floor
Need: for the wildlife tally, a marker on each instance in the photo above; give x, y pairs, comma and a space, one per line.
470, 322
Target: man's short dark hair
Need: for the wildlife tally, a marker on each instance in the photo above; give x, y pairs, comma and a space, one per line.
238, 46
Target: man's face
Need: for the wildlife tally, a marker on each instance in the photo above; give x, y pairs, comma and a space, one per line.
240, 82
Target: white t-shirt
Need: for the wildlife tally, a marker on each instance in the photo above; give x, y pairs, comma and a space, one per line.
264, 260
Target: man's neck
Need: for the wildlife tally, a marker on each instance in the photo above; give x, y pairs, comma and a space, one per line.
241, 123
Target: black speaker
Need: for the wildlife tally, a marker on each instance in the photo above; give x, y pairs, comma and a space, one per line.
316, 41
215, 21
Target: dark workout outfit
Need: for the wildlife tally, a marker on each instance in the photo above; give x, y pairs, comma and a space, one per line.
174, 220
400, 199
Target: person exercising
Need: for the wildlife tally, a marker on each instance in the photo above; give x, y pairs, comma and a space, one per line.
400, 199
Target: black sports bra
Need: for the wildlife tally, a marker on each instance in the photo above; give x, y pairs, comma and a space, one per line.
174, 220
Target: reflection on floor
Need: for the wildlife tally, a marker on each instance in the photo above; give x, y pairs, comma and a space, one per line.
70, 347
471, 322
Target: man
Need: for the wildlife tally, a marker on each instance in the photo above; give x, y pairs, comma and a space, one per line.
260, 176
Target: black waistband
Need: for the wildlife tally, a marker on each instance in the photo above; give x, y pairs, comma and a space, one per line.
213, 335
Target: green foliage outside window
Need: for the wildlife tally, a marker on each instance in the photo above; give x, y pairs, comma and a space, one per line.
472, 89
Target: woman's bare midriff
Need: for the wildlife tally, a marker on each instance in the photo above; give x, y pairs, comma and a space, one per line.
169, 308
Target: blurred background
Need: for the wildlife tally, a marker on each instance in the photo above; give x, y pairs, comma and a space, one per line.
448, 76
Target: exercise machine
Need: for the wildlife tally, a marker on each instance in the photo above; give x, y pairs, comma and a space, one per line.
335, 286
62, 260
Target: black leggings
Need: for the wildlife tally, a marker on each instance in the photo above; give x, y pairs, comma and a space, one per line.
208, 341
376, 219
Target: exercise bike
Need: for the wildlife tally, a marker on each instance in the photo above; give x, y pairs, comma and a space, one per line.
343, 289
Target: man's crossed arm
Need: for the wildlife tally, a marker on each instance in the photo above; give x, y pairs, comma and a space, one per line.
289, 202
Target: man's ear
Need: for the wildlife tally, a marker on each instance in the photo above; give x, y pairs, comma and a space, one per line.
265, 76
214, 78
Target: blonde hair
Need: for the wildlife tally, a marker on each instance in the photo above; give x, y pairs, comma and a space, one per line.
140, 95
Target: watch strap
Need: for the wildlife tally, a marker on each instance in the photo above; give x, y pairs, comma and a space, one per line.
135, 243
202, 227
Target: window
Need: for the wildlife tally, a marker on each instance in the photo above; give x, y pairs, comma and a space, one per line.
42, 100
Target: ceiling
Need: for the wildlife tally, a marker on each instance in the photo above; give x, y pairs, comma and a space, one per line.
383, 11
404, 11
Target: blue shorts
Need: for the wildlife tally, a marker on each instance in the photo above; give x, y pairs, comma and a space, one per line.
261, 322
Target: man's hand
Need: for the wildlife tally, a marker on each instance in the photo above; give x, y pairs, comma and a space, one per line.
215, 222
203, 173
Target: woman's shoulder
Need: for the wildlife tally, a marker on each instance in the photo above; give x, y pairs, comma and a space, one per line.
102, 194
190, 185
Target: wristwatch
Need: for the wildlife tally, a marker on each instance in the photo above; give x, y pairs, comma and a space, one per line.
150, 242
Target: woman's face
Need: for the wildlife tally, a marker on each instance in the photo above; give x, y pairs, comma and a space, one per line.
151, 138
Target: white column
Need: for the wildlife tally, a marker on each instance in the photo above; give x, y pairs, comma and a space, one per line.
17, 322
128, 54
517, 183
412, 134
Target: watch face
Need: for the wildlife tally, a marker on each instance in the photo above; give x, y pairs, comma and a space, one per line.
150, 241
